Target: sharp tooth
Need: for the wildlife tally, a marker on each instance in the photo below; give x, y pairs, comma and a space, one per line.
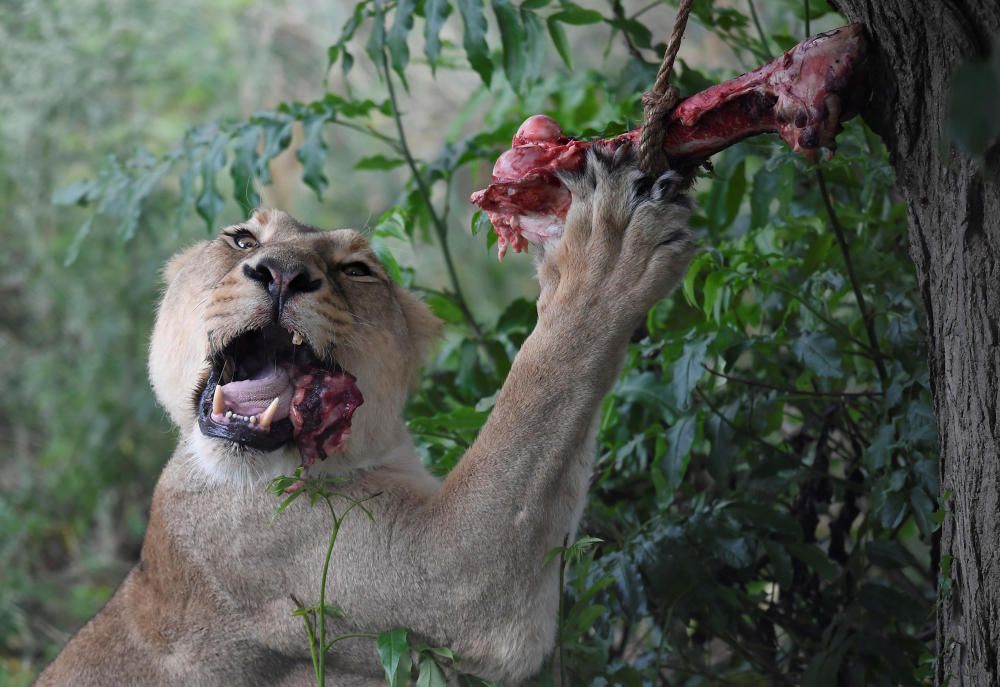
296, 339
253, 419
219, 401
267, 417
229, 415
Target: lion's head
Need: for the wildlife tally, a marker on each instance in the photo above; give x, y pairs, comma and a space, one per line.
270, 337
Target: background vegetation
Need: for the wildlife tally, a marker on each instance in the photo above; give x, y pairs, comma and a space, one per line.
763, 505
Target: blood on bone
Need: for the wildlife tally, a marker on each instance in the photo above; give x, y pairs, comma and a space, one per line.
321, 411
802, 95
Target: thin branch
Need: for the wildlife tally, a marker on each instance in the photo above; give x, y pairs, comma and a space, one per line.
844, 331
742, 430
619, 11
367, 130
866, 316
645, 9
793, 391
760, 30
440, 228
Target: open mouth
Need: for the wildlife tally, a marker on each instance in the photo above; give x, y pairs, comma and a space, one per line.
268, 388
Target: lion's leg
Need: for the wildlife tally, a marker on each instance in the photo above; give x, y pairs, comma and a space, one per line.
519, 490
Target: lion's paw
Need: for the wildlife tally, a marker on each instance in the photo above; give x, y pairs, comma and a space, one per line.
626, 243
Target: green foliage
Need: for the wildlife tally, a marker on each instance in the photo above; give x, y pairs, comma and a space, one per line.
765, 490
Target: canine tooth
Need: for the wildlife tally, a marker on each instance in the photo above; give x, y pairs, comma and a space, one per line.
253, 419
267, 417
218, 401
229, 414
296, 339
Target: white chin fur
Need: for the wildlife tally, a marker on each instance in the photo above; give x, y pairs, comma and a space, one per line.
216, 462
220, 462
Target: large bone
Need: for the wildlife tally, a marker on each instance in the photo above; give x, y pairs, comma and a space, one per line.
802, 95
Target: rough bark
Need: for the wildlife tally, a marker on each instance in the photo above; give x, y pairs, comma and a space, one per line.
954, 231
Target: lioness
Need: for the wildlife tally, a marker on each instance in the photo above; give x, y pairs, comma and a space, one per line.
268, 338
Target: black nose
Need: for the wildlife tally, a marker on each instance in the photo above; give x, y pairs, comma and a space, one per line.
283, 280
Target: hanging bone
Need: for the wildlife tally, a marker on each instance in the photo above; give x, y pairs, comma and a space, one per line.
802, 95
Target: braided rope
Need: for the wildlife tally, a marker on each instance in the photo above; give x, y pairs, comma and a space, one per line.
661, 99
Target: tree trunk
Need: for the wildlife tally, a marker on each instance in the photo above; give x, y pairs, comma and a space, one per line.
954, 227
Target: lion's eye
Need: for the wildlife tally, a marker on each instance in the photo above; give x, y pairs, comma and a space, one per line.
356, 269
244, 240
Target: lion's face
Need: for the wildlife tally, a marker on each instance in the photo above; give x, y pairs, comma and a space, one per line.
270, 338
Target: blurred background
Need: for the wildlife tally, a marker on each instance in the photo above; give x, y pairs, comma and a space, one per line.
89, 83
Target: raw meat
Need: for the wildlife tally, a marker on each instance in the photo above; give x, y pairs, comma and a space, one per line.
802, 95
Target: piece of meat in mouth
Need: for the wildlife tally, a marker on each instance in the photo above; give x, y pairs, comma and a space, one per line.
268, 388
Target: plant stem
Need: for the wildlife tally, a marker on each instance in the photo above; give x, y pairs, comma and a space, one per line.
791, 391
801, 298
388, 140
321, 670
760, 29
352, 635
562, 581
866, 316
440, 227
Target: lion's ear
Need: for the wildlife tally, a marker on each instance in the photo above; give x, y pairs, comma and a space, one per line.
423, 326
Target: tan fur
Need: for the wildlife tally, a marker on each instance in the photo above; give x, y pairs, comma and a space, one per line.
459, 563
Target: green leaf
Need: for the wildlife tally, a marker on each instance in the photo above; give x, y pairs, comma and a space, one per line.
511, 39
687, 371
922, 508
712, 293
445, 307
392, 224
210, 201
277, 135
818, 352
734, 552
78, 238
576, 15
781, 563
560, 41
637, 32
430, 674
387, 259
813, 556
312, 153
375, 45
436, 13
767, 183
680, 439
480, 222
534, 40
889, 554
817, 9
242, 168
394, 653
399, 51
474, 38
378, 162
878, 451
735, 189
691, 276
77, 193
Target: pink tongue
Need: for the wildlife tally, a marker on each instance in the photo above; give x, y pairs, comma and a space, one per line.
252, 396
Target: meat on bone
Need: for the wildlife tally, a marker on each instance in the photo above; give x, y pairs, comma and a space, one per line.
802, 96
